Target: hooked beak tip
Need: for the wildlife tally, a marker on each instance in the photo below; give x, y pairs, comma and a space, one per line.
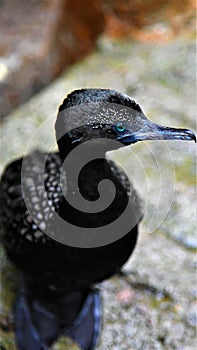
193, 136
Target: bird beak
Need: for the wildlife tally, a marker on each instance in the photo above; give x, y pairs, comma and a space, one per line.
153, 131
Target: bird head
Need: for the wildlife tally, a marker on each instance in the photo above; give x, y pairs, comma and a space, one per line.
91, 113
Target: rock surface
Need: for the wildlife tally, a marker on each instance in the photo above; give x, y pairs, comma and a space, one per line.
152, 305
40, 38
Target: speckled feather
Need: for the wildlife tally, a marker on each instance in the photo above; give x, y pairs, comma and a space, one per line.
58, 268
49, 266
34, 194
16, 221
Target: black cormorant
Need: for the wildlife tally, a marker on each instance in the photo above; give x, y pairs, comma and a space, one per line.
60, 268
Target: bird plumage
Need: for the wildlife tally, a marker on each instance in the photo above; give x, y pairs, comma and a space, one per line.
33, 191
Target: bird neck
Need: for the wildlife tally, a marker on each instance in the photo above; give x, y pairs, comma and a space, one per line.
82, 152
70, 140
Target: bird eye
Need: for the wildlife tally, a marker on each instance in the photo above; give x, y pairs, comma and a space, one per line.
119, 127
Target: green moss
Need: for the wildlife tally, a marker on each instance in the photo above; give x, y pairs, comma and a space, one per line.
8, 283
186, 171
163, 302
65, 343
7, 341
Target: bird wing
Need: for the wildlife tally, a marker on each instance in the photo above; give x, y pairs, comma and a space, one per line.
17, 222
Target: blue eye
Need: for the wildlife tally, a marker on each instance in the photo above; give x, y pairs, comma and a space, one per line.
119, 127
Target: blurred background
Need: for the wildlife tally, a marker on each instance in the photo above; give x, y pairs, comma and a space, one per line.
39, 39
147, 50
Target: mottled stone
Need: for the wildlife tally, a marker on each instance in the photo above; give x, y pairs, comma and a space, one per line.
40, 38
